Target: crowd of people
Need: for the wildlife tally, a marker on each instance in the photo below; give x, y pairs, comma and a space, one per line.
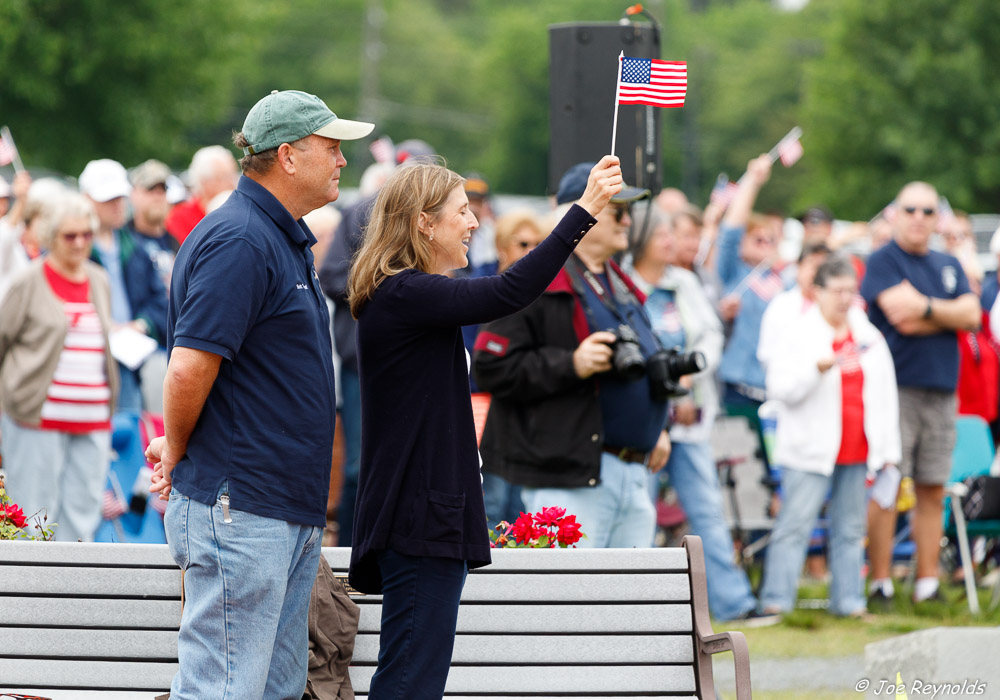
606, 337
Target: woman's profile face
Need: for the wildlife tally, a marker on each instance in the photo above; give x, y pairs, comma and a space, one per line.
452, 229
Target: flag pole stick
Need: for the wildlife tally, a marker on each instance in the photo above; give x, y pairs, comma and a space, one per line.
618, 86
795, 133
5, 135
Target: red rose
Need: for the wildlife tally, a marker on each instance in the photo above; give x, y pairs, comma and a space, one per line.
14, 514
523, 529
569, 531
550, 516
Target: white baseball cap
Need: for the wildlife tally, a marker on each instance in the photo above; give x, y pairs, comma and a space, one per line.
105, 179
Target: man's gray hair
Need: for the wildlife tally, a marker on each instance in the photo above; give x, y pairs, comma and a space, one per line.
62, 206
203, 164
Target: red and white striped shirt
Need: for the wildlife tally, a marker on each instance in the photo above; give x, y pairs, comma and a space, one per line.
79, 398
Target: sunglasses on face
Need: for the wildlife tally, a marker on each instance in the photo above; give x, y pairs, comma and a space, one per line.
619, 211
71, 236
927, 211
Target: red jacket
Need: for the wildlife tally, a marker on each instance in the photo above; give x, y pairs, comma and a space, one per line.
978, 373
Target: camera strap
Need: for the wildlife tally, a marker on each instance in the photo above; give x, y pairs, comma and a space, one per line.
619, 293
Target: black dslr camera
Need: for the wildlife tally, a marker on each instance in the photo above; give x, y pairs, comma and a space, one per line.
663, 368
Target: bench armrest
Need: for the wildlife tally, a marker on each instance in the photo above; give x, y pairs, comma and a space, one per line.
707, 642
735, 642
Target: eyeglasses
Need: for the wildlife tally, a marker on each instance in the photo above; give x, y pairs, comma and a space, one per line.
763, 240
619, 210
70, 236
928, 211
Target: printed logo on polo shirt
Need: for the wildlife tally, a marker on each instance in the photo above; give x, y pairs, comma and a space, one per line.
301, 286
949, 278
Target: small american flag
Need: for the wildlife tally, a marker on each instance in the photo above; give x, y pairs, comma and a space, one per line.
8, 153
723, 192
382, 149
113, 507
789, 151
649, 81
767, 285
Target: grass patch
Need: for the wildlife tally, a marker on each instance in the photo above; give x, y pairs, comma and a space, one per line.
817, 633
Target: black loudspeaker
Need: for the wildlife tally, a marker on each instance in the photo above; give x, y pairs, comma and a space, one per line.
583, 74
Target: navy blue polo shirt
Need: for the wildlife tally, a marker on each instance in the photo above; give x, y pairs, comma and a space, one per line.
244, 287
921, 361
630, 417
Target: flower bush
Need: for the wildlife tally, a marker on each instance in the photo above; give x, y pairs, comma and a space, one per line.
548, 528
13, 521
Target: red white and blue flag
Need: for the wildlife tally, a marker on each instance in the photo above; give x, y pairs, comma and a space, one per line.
8, 153
723, 192
650, 81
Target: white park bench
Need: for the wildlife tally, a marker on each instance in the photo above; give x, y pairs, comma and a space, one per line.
81, 621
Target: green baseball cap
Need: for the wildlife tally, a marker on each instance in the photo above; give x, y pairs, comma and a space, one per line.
289, 115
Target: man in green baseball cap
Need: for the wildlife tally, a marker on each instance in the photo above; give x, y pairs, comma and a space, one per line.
249, 410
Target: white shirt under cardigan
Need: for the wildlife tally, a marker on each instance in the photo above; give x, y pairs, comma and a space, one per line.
809, 419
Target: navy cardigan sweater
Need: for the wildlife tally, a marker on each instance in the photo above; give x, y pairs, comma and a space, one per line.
420, 491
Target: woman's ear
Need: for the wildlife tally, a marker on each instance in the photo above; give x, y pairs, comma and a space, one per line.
423, 221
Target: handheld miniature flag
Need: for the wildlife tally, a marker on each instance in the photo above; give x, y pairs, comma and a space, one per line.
382, 150
648, 81
723, 192
788, 149
8, 151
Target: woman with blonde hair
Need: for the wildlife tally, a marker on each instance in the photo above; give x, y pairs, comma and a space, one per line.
420, 524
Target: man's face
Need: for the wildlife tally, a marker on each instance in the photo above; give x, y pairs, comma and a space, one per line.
610, 233
150, 206
916, 217
111, 213
317, 169
759, 244
223, 177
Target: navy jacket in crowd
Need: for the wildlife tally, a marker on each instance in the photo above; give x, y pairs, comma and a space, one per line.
420, 491
145, 291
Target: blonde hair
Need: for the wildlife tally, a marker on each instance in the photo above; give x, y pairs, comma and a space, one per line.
392, 243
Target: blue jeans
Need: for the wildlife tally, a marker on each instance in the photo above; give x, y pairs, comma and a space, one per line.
420, 597
350, 419
804, 494
617, 513
244, 631
503, 499
129, 393
695, 479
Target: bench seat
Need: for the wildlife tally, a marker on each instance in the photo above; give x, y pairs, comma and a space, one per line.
85, 620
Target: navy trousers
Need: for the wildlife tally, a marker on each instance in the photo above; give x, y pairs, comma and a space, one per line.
419, 613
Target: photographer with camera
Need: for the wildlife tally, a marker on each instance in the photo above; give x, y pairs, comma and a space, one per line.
575, 419
682, 316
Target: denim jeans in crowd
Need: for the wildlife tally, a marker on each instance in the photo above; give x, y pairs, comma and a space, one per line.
420, 597
247, 584
350, 419
617, 513
502, 499
695, 478
804, 494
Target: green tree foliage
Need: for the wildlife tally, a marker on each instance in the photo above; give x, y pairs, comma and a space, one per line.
89, 78
907, 89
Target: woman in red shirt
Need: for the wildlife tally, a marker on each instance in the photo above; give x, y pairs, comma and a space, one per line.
57, 377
